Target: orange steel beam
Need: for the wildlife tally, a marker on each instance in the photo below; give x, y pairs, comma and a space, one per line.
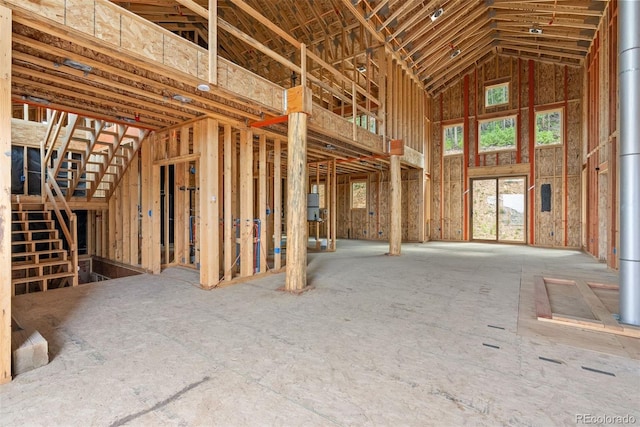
271, 121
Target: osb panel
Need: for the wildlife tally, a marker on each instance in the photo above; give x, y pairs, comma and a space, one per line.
436, 203
524, 87
203, 66
490, 159
544, 221
545, 83
489, 69
504, 66
365, 137
524, 138
573, 214
558, 213
455, 167
457, 100
446, 105
574, 149
414, 197
545, 162
473, 129
383, 232
80, 15
180, 55
141, 38
405, 210
559, 160
359, 224
455, 212
52, 9
603, 223
342, 218
373, 196
107, 26
507, 157
575, 83
559, 83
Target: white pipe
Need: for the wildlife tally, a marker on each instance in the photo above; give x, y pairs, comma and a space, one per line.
629, 80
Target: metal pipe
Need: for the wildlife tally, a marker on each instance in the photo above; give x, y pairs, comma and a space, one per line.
629, 81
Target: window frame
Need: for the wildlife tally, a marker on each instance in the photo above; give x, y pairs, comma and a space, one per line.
358, 181
444, 131
495, 119
562, 118
488, 87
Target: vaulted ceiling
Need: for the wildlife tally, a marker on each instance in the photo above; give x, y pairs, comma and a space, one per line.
440, 40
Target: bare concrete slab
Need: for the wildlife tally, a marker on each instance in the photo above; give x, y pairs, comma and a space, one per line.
437, 336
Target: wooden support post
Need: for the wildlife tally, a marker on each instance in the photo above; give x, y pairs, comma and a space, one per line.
297, 229
395, 208
206, 132
246, 203
134, 200
262, 201
5, 192
147, 166
334, 205
155, 260
213, 42
229, 237
277, 205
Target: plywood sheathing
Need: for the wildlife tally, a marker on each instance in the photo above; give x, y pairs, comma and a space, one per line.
446, 215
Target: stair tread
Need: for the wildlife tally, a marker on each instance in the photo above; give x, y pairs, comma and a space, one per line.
43, 263
44, 276
24, 242
32, 253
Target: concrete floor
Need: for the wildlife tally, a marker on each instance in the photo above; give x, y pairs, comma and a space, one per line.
429, 338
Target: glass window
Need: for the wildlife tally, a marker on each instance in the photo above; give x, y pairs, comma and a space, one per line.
453, 137
496, 95
497, 134
549, 127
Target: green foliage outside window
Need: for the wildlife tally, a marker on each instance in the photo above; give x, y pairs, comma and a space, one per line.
549, 127
453, 139
496, 95
498, 134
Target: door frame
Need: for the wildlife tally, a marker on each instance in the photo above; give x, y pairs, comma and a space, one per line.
526, 211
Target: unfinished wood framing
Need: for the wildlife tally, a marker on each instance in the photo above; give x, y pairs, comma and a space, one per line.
297, 236
601, 319
533, 87
5, 192
246, 220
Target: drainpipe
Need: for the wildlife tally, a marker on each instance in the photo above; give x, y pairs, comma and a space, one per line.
629, 80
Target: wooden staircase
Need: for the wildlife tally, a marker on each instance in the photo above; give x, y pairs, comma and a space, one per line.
91, 156
82, 160
39, 259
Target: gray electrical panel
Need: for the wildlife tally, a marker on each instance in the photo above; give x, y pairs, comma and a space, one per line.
313, 207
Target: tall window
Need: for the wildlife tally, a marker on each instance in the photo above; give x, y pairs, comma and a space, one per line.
549, 127
497, 134
495, 95
453, 137
359, 195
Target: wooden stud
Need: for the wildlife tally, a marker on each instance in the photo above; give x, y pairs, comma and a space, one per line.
229, 236
297, 230
146, 204
207, 134
262, 202
395, 208
154, 237
213, 41
246, 204
5, 192
277, 205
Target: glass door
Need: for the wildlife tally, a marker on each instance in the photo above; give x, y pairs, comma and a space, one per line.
498, 209
511, 209
484, 215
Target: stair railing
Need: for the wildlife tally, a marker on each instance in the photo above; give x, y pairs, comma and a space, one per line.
69, 225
